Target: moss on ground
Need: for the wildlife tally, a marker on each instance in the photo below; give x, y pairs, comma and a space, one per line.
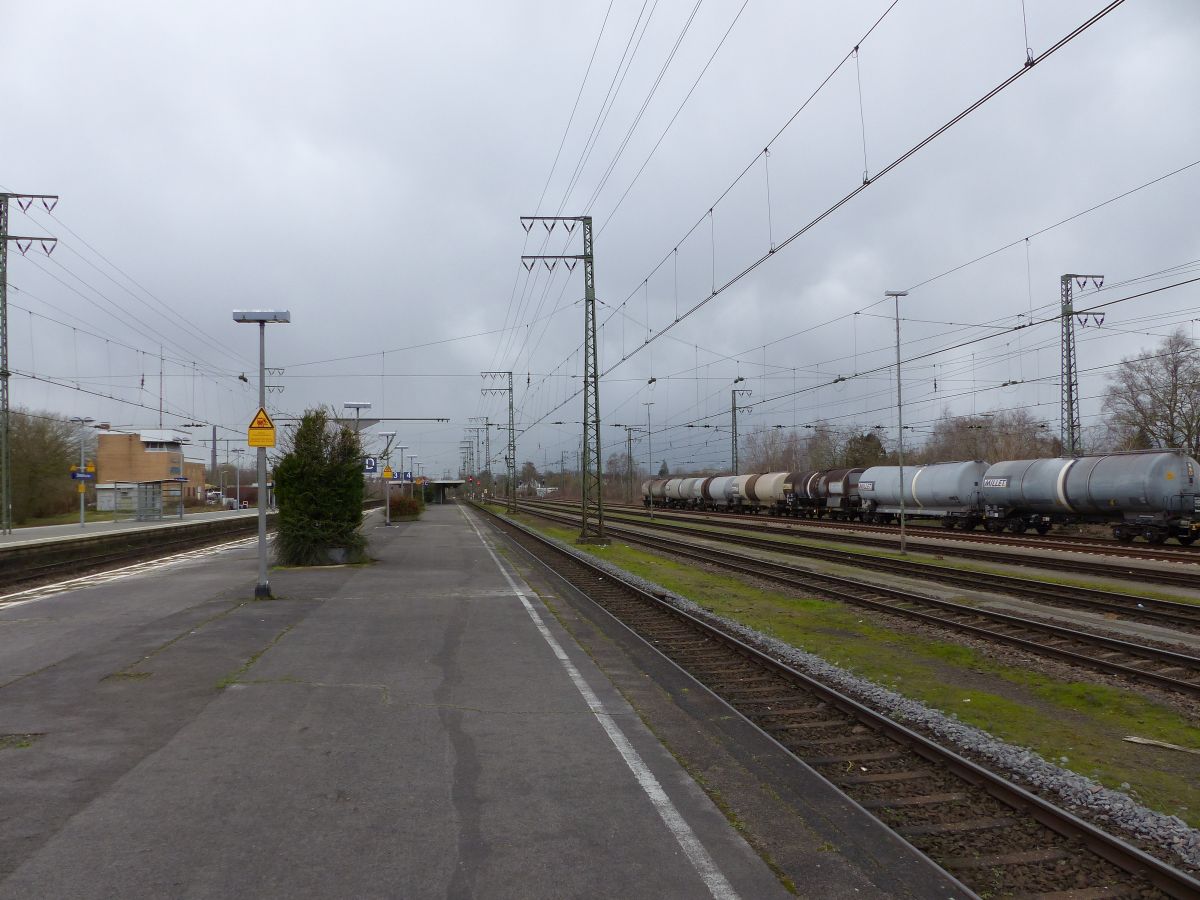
1083, 722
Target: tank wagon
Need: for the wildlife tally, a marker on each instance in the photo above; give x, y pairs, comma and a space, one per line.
1151, 493
675, 492
717, 493
800, 493
838, 489
769, 494
948, 491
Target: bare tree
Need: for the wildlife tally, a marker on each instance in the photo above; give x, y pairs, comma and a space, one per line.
1007, 434
43, 449
1153, 399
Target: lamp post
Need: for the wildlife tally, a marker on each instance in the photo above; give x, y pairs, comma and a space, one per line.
261, 317
237, 473
81, 421
896, 295
649, 456
412, 462
401, 448
387, 482
358, 407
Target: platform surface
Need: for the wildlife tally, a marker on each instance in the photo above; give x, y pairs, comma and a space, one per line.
419, 727
40, 533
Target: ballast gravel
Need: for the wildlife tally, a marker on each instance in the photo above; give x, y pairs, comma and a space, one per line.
1022, 765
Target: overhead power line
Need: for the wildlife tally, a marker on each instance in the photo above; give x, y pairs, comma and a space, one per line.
717, 290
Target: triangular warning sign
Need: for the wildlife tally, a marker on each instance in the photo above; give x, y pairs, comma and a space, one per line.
262, 420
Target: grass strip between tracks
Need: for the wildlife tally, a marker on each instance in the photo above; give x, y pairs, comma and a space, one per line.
1079, 725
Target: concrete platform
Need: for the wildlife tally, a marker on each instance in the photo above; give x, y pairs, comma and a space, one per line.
38, 534
419, 727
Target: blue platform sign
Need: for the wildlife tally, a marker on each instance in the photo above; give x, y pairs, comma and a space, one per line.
83, 476
407, 476
370, 465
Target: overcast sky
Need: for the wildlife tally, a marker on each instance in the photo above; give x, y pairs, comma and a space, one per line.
365, 165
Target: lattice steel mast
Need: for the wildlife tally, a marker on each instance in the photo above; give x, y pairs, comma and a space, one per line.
733, 408
510, 455
49, 201
1069, 416
591, 476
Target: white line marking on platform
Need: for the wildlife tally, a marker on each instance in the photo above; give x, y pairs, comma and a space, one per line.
704, 865
96, 578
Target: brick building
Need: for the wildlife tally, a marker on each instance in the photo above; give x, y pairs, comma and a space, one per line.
149, 456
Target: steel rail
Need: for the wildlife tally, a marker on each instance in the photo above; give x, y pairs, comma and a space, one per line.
849, 590
1063, 542
1097, 569
1168, 612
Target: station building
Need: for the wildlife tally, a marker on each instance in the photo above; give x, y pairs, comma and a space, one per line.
155, 456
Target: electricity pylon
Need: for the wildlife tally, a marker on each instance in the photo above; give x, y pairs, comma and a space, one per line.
1069, 416
591, 475
49, 201
510, 455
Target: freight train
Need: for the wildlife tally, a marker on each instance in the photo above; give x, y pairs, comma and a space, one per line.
1154, 494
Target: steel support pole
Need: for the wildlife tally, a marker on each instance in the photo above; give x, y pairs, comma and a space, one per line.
1069, 411
650, 456
733, 426
629, 460
6, 504
896, 295
82, 470
592, 482
263, 589
6, 493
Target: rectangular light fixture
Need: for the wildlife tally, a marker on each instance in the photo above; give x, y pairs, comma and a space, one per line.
262, 315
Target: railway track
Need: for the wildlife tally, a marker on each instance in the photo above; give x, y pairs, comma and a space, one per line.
1183, 576
25, 566
1151, 665
1168, 613
1061, 542
995, 837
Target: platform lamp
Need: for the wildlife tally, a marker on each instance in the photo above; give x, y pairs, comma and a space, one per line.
81, 421
649, 456
896, 295
358, 407
262, 318
401, 448
237, 474
387, 482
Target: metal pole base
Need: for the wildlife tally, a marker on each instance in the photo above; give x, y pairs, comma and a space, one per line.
592, 541
262, 592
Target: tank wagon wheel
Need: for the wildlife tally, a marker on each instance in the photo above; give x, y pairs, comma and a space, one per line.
1156, 537
1017, 527
947, 523
1043, 528
1124, 535
993, 526
1186, 539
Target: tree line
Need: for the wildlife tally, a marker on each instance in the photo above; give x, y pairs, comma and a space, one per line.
1152, 401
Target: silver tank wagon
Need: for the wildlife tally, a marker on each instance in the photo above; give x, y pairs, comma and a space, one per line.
1152, 493
719, 491
948, 491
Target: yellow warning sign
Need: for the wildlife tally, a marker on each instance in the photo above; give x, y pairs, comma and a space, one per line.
388, 473
261, 432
